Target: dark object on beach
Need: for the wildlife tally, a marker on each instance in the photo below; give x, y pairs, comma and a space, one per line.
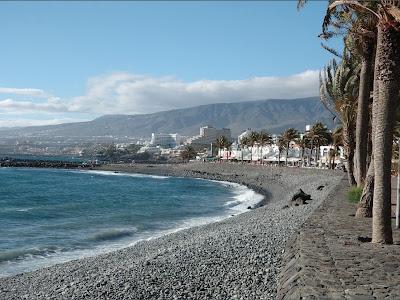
320, 188
300, 198
248, 207
364, 239
116, 172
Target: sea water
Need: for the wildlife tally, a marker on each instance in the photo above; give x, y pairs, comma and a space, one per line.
48, 216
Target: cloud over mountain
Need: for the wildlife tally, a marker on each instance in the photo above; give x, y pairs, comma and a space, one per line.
127, 93
130, 93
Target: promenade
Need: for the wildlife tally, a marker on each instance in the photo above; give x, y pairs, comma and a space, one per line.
331, 257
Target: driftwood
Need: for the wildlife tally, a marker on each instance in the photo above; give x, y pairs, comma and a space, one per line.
300, 198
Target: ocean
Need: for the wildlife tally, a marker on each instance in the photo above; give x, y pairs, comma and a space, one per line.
49, 216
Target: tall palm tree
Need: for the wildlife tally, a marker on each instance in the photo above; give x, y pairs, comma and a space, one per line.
188, 153
337, 140
388, 81
388, 52
281, 145
228, 147
245, 141
220, 143
303, 144
364, 207
317, 136
288, 136
359, 26
338, 92
264, 138
253, 137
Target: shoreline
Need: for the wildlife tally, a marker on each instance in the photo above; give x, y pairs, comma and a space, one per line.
237, 257
237, 191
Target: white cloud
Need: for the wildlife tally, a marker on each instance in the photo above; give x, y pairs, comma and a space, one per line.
125, 93
33, 122
51, 105
130, 93
23, 92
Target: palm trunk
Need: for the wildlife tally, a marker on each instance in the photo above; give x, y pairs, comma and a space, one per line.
365, 86
348, 141
388, 52
287, 153
364, 208
309, 157
279, 157
369, 148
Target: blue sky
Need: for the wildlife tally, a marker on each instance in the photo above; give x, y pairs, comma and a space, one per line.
66, 61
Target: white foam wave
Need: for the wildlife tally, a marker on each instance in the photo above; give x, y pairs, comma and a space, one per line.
115, 173
243, 196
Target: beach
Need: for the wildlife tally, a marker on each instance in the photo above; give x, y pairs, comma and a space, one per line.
237, 258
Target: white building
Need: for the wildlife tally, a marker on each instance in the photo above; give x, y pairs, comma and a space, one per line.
163, 140
244, 134
208, 135
150, 149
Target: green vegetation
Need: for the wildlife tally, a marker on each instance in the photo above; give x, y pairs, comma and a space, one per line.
354, 194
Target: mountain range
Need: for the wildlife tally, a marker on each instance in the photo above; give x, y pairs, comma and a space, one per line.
274, 115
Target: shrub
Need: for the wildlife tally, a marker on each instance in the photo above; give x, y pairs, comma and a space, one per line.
354, 194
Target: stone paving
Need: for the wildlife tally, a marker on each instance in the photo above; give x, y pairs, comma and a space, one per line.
331, 257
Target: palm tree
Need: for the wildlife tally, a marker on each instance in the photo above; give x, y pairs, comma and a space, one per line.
245, 141
364, 207
253, 137
359, 26
303, 144
228, 147
321, 137
264, 138
188, 153
388, 56
337, 140
318, 135
281, 145
338, 92
220, 143
388, 81
289, 135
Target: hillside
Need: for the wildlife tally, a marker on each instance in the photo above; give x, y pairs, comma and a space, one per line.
274, 115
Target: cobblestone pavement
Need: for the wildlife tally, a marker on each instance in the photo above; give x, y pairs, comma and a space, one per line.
331, 257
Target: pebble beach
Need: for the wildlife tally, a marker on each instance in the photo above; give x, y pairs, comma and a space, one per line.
237, 258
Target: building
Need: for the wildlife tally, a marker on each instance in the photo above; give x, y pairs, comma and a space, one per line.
165, 140
208, 135
244, 134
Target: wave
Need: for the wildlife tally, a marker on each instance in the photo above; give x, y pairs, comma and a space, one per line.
243, 195
112, 234
17, 254
243, 198
115, 173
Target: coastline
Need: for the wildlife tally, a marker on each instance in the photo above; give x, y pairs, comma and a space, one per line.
236, 257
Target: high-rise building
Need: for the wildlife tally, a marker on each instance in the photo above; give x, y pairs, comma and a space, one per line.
169, 140
209, 134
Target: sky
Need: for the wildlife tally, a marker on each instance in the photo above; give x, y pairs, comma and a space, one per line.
74, 61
